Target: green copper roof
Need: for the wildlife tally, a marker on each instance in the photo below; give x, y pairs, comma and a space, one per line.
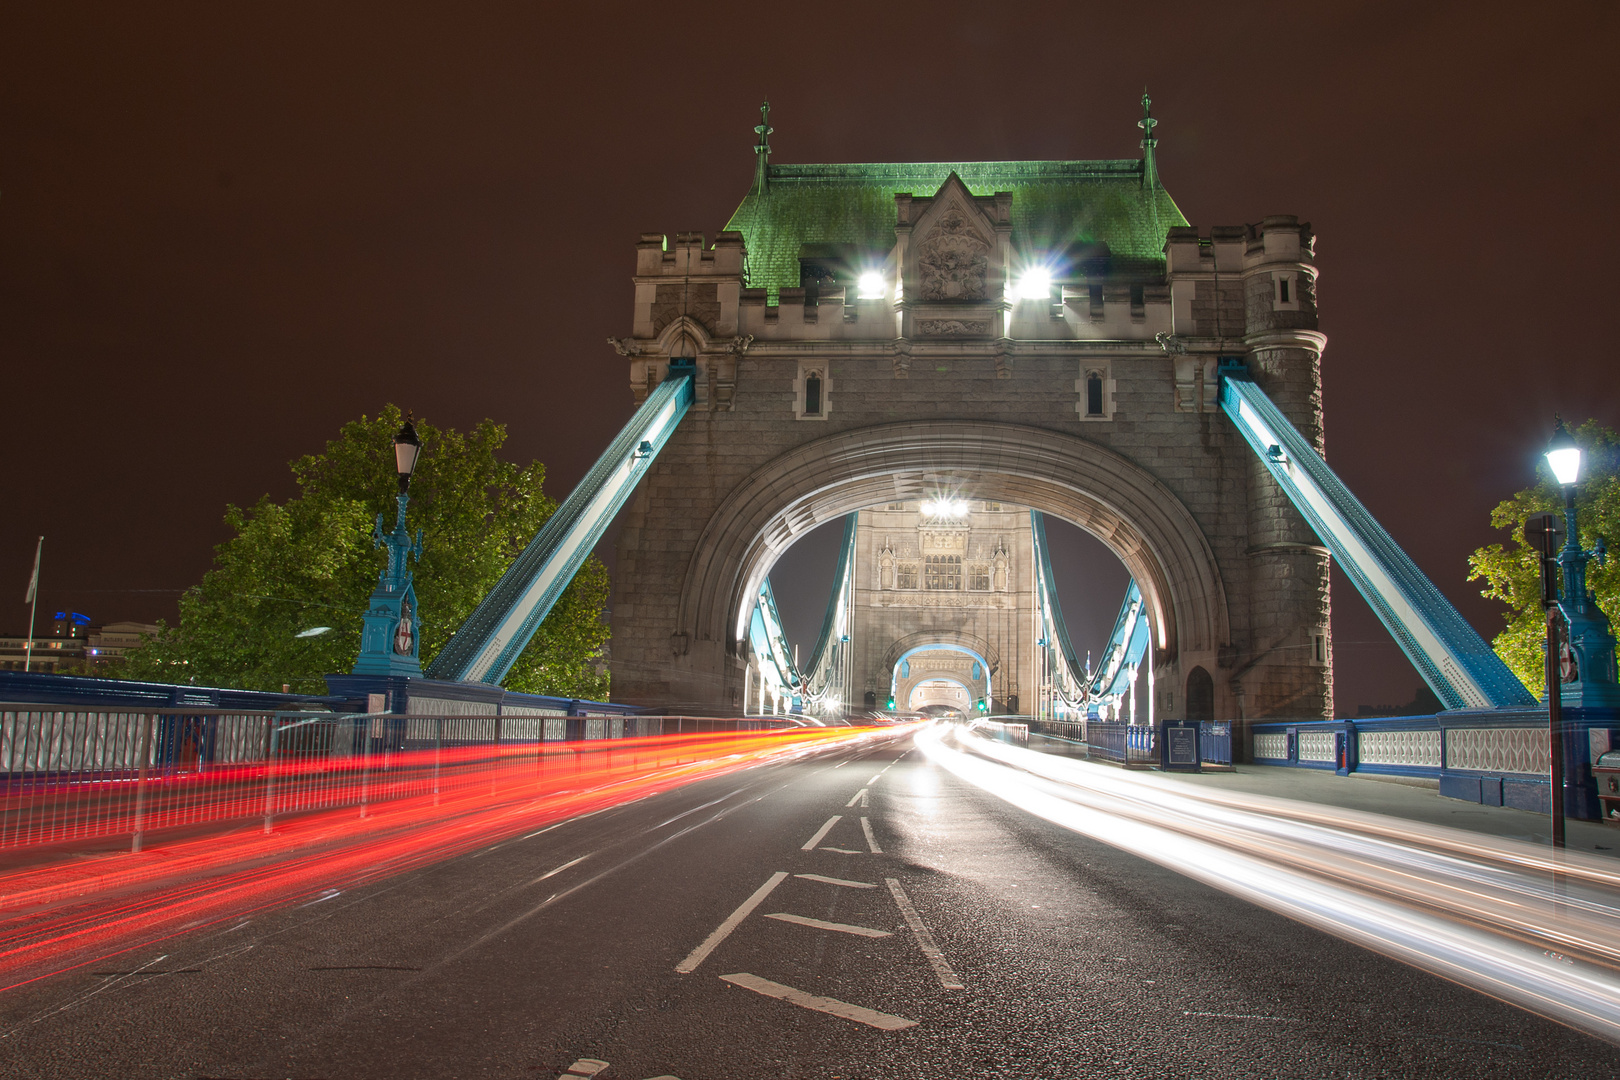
1055, 204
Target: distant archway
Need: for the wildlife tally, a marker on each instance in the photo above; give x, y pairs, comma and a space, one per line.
1089, 485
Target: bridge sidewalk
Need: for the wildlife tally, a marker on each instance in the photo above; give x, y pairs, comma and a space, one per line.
1413, 800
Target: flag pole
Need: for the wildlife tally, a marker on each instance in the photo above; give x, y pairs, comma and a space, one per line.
33, 601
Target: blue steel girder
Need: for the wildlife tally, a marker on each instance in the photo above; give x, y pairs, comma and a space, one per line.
499, 629
818, 674
1127, 644
1052, 626
1453, 659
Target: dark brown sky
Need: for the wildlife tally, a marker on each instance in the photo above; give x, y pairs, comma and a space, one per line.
224, 232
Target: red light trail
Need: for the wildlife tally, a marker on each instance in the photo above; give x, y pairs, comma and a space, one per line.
72, 911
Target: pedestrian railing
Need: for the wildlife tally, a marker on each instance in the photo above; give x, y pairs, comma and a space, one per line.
73, 773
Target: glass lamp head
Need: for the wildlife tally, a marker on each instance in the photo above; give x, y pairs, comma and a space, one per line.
407, 448
1563, 456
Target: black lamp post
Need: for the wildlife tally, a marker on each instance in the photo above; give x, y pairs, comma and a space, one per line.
407, 448
1564, 459
390, 643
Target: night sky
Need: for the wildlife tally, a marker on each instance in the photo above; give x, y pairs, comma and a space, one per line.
226, 230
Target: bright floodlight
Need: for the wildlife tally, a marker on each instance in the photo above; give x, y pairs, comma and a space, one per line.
871, 285
1035, 285
938, 508
1563, 456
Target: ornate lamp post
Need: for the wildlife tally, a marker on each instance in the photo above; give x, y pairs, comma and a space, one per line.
1580, 662
1586, 661
390, 643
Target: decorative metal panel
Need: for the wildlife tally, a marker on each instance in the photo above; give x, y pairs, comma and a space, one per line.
1272, 744
1416, 748
1500, 750
1316, 746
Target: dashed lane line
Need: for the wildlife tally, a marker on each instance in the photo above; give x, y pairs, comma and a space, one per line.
925, 940
821, 924
875, 778
871, 841
853, 799
838, 881
832, 1006
723, 931
810, 844
844, 850
560, 869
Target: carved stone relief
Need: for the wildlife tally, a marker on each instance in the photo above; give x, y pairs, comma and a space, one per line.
954, 260
953, 327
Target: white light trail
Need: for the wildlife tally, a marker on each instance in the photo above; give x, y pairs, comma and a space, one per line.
1479, 910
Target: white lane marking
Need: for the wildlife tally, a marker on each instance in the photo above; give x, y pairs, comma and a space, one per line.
853, 799
819, 924
857, 1013
809, 845
1241, 1016
844, 850
866, 800
875, 778
723, 931
585, 1067
838, 881
871, 841
695, 809
925, 940
841, 764
560, 869
329, 894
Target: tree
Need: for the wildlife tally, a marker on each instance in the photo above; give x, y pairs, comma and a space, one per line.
310, 562
1514, 575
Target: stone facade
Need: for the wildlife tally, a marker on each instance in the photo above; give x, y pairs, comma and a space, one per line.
937, 368
963, 580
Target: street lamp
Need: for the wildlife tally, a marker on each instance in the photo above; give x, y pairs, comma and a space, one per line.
390, 643
407, 448
1580, 646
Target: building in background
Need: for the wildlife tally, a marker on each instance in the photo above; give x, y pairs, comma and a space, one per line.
73, 646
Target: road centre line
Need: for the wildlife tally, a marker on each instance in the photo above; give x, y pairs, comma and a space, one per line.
832, 1006
875, 778
822, 924
925, 940
871, 841
695, 809
723, 931
810, 844
560, 869
844, 850
854, 797
838, 881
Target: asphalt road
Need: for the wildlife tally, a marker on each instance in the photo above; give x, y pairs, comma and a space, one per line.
858, 915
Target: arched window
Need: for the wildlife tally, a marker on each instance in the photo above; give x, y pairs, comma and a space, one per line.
1200, 696
871, 699
1094, 393
812, 394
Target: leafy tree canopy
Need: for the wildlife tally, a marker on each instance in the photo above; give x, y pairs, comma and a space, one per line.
1513, 574
310, 562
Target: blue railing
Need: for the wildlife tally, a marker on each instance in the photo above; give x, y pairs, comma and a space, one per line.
1498, 757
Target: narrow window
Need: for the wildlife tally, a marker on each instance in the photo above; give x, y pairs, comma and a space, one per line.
1282, 289
812, 394
1094, 393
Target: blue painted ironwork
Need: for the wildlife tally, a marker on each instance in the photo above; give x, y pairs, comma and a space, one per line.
390, 643
826, 677
1453, 659
770, 645
489, 642
1591, 641
1122, 656
1067, 688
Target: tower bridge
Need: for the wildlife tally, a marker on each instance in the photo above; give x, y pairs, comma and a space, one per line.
866, 341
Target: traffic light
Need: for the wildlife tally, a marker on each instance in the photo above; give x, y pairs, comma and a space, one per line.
891, 701
981, 705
